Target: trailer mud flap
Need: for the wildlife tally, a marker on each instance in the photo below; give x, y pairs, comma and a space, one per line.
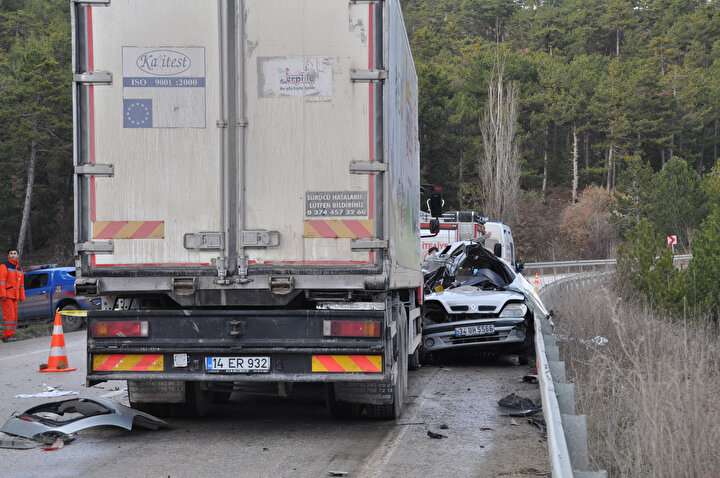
376, 393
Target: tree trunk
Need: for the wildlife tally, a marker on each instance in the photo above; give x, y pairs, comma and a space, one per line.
715, 142
700, 159
460, 179
609, 168
617, 43
575, 165
24, 225
587, 150
545, 167
500, 163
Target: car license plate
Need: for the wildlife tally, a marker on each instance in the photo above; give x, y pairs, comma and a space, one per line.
474, 330
237, 364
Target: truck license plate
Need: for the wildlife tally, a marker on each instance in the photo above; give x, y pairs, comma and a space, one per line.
237, 364
474, 330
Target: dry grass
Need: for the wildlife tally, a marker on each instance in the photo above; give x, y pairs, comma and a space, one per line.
651, 393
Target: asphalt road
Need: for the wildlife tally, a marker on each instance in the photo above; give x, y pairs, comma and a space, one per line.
255, 436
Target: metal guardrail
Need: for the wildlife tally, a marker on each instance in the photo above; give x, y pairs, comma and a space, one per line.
566, 431
585, 266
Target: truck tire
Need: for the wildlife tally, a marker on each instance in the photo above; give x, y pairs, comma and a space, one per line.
71, 323
393, 411
335, 408
159, 410
197, 401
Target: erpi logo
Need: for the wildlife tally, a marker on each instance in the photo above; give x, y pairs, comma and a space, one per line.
163, 62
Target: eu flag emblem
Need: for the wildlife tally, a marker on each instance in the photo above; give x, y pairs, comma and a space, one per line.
137, 113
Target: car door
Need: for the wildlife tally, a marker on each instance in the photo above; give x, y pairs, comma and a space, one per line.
37, 296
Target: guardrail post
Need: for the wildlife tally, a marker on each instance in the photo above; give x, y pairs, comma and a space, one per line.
565, 393
576, 436
557, 369
552, 352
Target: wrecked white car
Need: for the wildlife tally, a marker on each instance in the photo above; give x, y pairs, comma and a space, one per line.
475, 301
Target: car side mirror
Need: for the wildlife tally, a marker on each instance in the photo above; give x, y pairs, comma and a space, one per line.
497, 249
435, 203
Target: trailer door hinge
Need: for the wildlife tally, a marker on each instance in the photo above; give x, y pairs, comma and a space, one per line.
365, 244
367, 167
260, 238
92, 169
367, 76
203, 240
93, 77
93, 247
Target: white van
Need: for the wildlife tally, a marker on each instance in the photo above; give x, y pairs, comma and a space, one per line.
500, 242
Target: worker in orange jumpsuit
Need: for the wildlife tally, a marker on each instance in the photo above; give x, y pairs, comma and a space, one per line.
12, 290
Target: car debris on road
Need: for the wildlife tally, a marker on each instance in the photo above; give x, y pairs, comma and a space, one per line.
35, 424
516, 406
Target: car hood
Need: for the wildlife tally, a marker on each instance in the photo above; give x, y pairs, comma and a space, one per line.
474, 298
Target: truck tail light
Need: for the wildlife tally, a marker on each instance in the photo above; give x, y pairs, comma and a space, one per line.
347, 328
128, 328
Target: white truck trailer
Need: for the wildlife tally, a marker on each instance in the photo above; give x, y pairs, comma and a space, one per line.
247, 199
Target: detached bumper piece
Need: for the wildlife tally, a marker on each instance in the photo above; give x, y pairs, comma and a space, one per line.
94, 412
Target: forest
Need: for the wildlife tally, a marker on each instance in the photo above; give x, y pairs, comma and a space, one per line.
624, 92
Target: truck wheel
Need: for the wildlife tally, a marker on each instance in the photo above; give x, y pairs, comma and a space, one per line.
197, 401
336, 409
159, 410
72, 323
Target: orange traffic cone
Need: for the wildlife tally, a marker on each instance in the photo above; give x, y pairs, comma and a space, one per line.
536, 281
57, 361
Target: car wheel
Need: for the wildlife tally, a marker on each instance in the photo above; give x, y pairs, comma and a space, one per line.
71, 323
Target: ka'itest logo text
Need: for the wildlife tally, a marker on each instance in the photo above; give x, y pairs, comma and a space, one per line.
163, 62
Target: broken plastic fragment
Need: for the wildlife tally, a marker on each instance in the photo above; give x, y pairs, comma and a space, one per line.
93, 412
516, 406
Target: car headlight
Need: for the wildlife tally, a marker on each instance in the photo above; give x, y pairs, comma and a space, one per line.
514, 310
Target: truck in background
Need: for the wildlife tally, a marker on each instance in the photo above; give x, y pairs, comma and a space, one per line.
501, 243
247, 199
454, 226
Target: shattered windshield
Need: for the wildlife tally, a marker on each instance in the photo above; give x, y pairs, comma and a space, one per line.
471, 265
472, 276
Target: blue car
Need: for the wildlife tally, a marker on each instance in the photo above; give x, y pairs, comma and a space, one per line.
49, 289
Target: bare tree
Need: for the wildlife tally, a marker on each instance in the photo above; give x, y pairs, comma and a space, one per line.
500, 162
25, 223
